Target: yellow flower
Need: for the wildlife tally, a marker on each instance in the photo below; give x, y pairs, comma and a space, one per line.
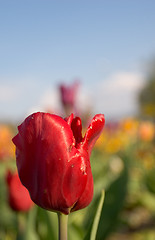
130, 126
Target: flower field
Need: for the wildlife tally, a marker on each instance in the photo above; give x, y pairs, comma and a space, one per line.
123, 165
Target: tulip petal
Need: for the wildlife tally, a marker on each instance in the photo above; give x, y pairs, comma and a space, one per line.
69, 119
76, 127
45, 145
87, 195
93, 132
75, 180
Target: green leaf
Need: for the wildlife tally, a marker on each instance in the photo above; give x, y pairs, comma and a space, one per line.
47, 224
97, 217
114, 200
150, 180
30, 226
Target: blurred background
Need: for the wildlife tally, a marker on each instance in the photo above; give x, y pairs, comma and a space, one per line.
85, 57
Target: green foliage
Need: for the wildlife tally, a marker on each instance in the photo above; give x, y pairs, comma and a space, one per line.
91, 233
150, 180
114, 200
47, 225
147, 96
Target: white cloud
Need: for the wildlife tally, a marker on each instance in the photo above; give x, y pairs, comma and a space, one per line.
117, 95
17, 95
13, 89
49, 101
114, 96
84, 99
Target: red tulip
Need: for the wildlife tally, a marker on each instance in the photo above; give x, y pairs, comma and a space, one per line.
53, 160
19, 198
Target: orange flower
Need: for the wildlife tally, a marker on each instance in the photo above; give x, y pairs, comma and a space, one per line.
146, 131
7, 149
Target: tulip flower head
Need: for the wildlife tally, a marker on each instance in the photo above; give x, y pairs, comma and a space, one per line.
53, 160
19, 198
68, 96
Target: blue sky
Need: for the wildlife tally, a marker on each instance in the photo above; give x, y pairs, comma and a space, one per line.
44, 43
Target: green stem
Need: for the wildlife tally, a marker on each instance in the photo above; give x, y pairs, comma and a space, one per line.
63, 223
21, 221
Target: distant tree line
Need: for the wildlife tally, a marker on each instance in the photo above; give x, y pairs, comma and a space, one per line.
147, 95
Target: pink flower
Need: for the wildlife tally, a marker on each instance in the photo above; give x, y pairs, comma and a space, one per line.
68, 96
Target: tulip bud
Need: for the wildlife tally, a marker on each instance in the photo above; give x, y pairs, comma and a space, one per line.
53, 160
19, 198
